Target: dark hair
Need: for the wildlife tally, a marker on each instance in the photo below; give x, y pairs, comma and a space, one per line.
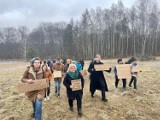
34, 59
119, 60
132, 59
44, 62
58, 58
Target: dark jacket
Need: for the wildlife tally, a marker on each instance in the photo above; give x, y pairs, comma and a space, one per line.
96, 76
73, 94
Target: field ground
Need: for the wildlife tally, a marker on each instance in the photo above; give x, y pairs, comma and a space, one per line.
142, 104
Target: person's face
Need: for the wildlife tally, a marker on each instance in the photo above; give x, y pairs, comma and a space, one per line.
120, 62
73, 69
98, 58
58, 61
36, 64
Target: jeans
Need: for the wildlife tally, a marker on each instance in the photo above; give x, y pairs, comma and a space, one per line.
57, 84
37, 108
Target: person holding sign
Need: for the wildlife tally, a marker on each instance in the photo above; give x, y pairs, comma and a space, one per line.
35, 72
74, 83
97, 79
58, 67
134, 74
116, 76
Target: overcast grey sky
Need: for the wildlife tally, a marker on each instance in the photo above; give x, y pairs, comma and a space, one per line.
32, 12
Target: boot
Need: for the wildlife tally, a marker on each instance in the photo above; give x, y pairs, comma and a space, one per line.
80, 112
71, 108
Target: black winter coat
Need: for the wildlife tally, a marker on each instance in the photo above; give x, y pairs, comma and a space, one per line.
96, 76
73, 94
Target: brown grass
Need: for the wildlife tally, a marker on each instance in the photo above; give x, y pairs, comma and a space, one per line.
143, 104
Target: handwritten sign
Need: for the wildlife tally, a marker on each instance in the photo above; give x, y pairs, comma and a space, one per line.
101, 67
37, 85
57, 74
123, 71
83, 72
136, 69
76, 85
139, 69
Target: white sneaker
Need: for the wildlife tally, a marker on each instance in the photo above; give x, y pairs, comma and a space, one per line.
48, 98
45, 99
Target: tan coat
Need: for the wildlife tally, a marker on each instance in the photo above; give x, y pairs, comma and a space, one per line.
30, 74
58, 67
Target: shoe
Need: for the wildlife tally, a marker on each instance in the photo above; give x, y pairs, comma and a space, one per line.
104, 100
124, 89
58, 95
130, 86
71, 108
48, 98
92, 95
80, 112
33, 115
45, 99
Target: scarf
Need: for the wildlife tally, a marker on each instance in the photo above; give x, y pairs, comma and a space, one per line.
73, 75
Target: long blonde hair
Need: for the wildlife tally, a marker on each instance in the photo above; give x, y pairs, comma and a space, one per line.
71, 65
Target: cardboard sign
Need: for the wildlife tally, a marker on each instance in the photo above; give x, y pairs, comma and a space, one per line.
136, 69
101, 67
37, 85
76, 85
57, 74
83, 72
123, 71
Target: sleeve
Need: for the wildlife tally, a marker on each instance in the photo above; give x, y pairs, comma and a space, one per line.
25, 76
115, 70
82, 80
62, 68
110, 69
53, 67
65, 81
91, 68
50, 75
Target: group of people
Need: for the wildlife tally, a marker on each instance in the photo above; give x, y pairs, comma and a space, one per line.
70, 72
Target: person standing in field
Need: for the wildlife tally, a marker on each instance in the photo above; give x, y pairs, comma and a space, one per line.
116, 76
74, 75
35, 72
134, 74
48, 75
58, 66
68, 62
97, 79
81, 61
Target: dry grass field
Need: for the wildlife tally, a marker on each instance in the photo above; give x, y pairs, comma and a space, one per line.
142, 104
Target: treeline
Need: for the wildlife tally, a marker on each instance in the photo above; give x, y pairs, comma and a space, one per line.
114, 32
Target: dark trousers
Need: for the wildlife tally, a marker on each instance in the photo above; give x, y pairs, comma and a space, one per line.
102, 86
79, 103
135, 82
117, 81
48, 90
82, 67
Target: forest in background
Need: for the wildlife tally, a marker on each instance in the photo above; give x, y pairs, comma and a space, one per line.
113, 32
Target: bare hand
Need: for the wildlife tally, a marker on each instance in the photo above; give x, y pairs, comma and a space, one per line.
71, 86
30, 81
